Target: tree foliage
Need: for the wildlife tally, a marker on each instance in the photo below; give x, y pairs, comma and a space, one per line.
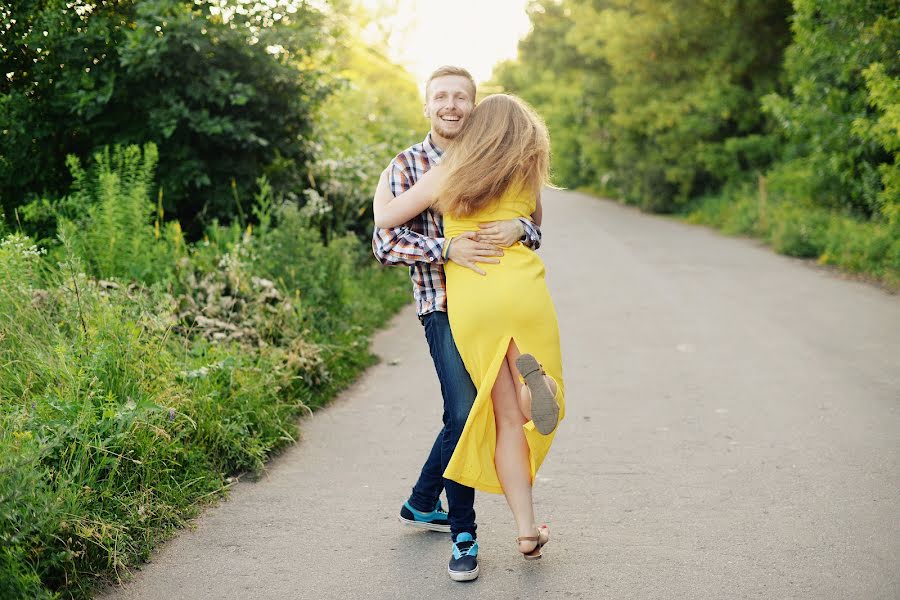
374, 112
662, 97
688, 78
663, 101
224, 88
834, 147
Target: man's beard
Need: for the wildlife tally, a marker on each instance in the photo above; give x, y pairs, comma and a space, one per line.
444, 133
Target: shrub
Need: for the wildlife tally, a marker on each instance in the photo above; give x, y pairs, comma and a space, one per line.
223, 96
799, 232
110, 219
870, 248
825, 120
129, 399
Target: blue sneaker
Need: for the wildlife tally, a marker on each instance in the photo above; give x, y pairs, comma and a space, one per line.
464, 562
435, 520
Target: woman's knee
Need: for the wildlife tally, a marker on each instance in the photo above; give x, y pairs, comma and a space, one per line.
506, 410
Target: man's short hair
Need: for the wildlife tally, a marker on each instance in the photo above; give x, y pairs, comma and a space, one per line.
448, 70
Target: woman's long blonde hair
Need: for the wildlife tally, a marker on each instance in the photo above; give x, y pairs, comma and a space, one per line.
503, 142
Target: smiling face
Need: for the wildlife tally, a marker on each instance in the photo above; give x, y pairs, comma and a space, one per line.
450, 99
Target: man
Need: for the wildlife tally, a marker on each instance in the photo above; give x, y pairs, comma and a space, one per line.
449, 99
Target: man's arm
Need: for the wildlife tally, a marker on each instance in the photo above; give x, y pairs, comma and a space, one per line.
401, 246
532, 235
533, 227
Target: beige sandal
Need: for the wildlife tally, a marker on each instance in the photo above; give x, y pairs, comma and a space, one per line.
539, 542
544, 409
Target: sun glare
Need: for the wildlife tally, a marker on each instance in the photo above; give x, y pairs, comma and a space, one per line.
474, 34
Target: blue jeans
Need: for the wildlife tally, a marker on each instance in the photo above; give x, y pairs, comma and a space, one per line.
459, 396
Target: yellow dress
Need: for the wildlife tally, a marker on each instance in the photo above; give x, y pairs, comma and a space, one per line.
511, 302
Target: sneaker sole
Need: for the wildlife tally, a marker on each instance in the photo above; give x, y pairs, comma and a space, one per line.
422, 525
463, 575
544, 409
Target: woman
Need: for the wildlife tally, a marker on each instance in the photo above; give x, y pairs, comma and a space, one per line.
494, 171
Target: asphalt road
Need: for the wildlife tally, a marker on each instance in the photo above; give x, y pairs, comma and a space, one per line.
733, 431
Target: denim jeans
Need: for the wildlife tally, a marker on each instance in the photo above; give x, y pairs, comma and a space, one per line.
459, 395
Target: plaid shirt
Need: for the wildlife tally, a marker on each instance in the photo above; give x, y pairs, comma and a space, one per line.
420, 242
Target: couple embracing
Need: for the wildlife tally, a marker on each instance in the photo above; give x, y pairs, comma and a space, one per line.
462, 209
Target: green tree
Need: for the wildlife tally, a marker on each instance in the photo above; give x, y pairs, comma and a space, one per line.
884, 94
834, 155
656, 100
57, 76
688, 79
374, 113
224, 88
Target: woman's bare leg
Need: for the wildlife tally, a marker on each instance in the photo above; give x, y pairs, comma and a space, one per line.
512, 454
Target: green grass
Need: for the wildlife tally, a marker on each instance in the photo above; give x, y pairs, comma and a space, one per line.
870, 249
121, 417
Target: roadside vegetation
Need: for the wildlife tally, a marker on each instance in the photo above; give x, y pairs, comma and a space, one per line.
185, 266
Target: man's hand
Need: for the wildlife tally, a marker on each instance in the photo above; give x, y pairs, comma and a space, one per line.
466, 251
501, 233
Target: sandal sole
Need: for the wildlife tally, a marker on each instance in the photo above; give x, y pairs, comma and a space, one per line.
544, 409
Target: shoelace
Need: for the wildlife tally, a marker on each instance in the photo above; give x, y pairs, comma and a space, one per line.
464, 547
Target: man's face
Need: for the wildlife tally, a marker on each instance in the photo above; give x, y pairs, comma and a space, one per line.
450, 100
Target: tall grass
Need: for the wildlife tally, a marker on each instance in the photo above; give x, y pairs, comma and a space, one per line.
795, 227
139, 374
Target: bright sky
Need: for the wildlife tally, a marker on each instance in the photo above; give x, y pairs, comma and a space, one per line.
474, 34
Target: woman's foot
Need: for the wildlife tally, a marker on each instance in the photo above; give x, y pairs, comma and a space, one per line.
544, 409
531, 546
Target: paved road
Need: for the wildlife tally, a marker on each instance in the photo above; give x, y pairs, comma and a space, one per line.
733, 432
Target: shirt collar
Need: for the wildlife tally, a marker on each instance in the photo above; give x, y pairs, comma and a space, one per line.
431, 149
